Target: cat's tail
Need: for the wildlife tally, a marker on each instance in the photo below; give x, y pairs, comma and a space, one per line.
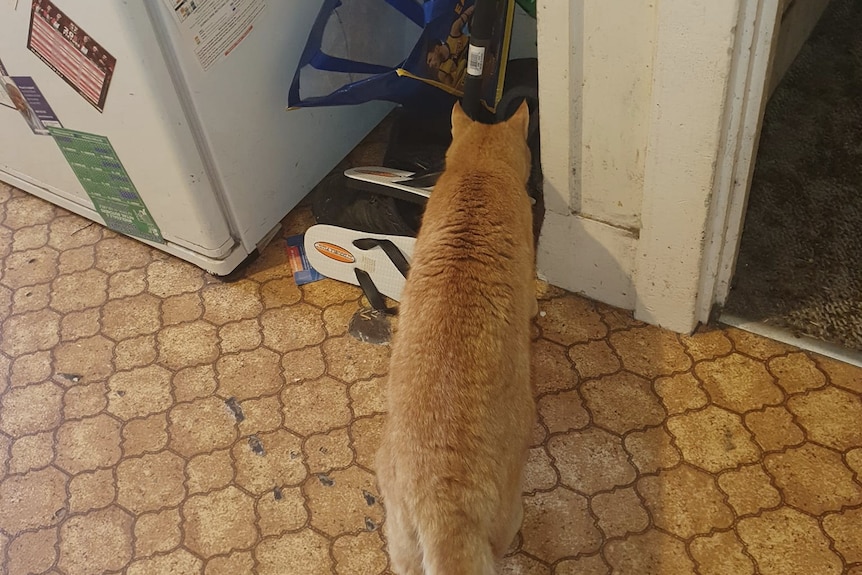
454, 550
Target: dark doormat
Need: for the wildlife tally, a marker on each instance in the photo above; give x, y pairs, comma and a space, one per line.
800, 261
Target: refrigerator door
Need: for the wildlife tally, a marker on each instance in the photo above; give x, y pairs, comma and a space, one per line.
264, 158
143, 119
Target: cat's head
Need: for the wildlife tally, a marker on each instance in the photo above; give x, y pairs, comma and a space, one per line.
503, 144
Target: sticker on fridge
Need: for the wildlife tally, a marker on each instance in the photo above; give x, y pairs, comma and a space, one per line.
72, 53
5, 99
214, 27
105, 180
28, 99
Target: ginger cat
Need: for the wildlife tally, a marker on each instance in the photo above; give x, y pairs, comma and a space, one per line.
460, 400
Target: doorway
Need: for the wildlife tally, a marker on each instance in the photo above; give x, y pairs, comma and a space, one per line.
798, 273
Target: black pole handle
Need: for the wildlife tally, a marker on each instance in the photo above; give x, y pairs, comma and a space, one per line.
484, 16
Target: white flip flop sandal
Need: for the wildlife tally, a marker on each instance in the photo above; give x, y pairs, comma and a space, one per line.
375, 262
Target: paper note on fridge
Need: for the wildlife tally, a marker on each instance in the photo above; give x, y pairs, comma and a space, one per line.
213, 28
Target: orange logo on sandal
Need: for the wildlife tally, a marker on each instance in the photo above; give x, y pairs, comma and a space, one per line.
334, 252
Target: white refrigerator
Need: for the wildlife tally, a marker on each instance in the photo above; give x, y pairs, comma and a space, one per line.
166, 119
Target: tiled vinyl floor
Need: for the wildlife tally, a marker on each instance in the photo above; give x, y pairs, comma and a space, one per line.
154, 420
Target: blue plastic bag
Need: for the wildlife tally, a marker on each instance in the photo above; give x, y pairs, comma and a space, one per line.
410, 52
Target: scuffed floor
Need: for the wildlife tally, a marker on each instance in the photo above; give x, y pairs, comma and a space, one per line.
154, 420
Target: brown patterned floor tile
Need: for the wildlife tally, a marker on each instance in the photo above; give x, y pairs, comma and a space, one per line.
787, 542
78, 324
796, 372
29, 369
327, 292
368, 397
25, 210
91, 490
269, 460
551, 369
350, 360
302, 553
130, 317
749, 489
32, 552
89, 359
721, 554
291, 328
713, 439
76, 260
30, 409
594, 359
194, 383
831, 417
756, 346
29, 268
325, 452
31, 298
557, 525
315, 406
242, 335
201, 426
249, 374
157, 532
135, 352
563, 411
187, 345
620, 512
281, 510
814, 479
32, 452
96, 542
650, 351
260, 415
127, 284
539, 473
30, 332
336, 318
774, 428
651, 552
33, 500
181, 308
590, 461
344, 501
538, 435
169, 277
841, 374
360, 553
651, 449
219, 522
121, 254
591, 565
71, 232
279, 292
680, 393
569, 320
365, 436
854, 460
303, 364
5, 302
622, 402
140, 392
150, 482
5, 241
30, 238
79, 291
224, 303
844, 529
146, 435
180, 561
668, 498
209, 471
738, 383
237, 563
84, 400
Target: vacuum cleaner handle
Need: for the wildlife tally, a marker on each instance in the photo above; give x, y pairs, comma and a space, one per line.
481, 28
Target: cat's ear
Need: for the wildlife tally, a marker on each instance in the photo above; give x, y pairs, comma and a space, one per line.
459, 118
520, 120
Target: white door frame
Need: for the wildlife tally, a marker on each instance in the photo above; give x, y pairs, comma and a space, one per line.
747, 96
